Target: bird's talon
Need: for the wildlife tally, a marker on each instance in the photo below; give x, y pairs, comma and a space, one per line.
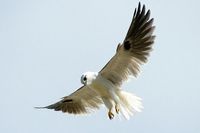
110, 115
117, 109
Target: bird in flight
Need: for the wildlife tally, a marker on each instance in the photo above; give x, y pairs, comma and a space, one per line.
104, 87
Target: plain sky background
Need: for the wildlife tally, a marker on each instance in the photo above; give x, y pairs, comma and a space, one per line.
46, 45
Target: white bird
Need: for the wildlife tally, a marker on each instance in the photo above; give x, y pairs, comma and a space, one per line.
104, 87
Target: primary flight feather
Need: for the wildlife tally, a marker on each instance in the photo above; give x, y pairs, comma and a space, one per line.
104, 87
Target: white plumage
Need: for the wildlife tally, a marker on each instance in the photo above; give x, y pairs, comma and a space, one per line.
104, 87
115, 98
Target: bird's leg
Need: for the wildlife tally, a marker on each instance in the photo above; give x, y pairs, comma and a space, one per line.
117, 109
110, 115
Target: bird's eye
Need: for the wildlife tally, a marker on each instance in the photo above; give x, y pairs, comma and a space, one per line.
84, 78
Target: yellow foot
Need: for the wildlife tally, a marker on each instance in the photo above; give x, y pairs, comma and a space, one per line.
117, 109
110, 115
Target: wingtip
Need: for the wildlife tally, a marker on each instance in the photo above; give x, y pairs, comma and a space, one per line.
39, 107
141, 6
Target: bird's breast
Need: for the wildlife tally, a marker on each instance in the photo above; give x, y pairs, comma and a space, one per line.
101, 86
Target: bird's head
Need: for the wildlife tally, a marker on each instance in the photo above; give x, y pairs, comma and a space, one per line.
88, 77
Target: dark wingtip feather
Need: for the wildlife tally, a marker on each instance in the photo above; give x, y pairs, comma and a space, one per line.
140, 34
143, 9
134, 12
138, 9
39, 107
52, 106
139, 5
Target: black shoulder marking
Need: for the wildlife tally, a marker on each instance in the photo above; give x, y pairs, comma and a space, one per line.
127, 45
67, 100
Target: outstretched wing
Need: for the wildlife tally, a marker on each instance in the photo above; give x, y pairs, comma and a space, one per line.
134, 50
81, 101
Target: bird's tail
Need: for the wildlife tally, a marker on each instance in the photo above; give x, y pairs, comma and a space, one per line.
129, 104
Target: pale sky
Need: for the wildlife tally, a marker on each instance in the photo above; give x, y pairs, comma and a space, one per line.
46, 45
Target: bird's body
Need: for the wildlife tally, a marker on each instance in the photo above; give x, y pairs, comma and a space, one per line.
115, 99
104, 87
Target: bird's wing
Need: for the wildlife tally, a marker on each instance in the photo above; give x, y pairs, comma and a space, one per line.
81, 101
133, 51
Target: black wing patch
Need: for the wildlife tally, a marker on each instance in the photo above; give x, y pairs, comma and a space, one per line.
139, 38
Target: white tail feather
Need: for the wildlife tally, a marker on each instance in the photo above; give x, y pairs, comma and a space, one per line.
129, 104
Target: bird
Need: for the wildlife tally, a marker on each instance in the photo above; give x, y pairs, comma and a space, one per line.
104, 87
